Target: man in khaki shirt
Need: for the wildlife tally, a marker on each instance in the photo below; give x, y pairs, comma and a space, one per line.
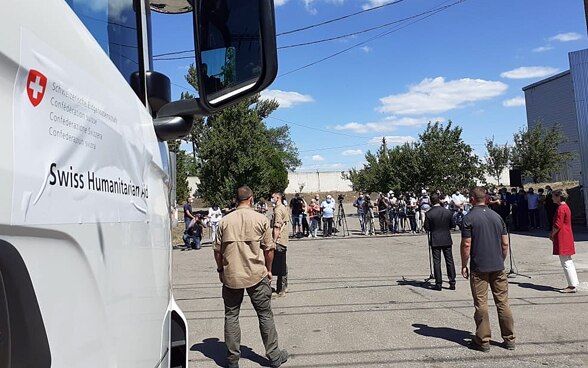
244, 251
280, 233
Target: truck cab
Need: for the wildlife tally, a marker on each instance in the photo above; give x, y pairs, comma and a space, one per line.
86, 180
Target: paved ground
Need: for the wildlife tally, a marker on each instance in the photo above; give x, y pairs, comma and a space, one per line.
358, 302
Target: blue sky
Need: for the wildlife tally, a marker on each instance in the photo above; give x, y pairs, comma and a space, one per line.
467, 64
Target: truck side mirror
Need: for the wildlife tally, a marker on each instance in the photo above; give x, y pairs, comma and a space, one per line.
235, 42
236, 57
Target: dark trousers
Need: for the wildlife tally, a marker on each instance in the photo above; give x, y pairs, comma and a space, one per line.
534, 217
280, 267
261, 296
413, 224
383, 217
448, 255
328, 226
305, 227
550, 214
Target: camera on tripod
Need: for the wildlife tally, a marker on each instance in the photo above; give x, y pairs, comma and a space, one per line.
341, 197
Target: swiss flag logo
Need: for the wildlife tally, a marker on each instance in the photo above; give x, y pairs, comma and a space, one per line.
36, 84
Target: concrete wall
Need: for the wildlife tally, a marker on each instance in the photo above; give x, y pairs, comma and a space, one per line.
552, 102
504, 179
328, 181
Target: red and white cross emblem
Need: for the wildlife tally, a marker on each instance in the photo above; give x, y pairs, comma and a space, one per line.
36, 84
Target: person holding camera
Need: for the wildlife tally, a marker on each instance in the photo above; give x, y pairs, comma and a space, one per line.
368, 209
438, 225
383, 205
358, 203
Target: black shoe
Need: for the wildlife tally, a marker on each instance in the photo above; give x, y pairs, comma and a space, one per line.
283, 359
483, 348
437, 287
451, 287
508, 345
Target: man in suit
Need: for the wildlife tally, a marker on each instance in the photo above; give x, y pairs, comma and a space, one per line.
438, 222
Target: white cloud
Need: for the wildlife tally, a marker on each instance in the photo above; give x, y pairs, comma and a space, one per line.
318, 158
279, 2
373, 3
309, 6
286, 99
389, 124
352, 152
566, 37
366, 49
525, 72
514, 102
543, 48
392, 140
435, 95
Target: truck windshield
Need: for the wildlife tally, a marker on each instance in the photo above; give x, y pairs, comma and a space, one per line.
113, 23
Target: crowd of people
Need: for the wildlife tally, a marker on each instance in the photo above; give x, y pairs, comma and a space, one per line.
250, 248
393, 212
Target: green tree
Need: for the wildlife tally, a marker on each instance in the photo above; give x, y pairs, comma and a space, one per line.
447, 162
236, 148
536, 152
387, 169
497, 159
439, 159
182, 190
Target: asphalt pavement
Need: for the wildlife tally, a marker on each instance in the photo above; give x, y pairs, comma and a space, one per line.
359, 301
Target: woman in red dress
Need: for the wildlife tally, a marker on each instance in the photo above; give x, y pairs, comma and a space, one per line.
563, 239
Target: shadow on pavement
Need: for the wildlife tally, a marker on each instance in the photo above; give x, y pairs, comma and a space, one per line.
460, 337
216, 350
526, 285
416, 283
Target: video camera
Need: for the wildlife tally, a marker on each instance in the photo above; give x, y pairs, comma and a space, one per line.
341, 197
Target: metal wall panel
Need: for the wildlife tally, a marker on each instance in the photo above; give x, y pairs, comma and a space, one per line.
551, 102
579, 71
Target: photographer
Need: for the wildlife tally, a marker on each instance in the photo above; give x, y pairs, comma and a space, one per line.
358, 203
393, 212
411, 211
368, 209
296, 206
383, 205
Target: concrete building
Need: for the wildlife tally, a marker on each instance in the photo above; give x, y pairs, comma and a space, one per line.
551, 102
563, 99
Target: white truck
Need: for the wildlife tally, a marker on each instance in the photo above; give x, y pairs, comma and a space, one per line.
85, 179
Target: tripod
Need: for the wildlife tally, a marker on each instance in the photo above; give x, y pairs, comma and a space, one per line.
342, 219
514, 271
431, 276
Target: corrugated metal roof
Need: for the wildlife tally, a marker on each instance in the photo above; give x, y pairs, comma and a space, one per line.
543, 81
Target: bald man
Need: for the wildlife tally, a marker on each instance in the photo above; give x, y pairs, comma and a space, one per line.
244, 251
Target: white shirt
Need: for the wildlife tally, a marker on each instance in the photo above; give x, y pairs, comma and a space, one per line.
215, 216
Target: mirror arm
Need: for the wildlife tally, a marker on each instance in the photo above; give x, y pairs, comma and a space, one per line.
175, 119
189, 107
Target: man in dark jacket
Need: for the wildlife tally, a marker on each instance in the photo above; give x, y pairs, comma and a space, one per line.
438, 222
